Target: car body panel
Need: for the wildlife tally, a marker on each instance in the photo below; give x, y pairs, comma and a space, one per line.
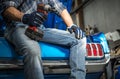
52, 55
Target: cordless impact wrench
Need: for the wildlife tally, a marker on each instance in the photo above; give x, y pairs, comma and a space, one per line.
32, 31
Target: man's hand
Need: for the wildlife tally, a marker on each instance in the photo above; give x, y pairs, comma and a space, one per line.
34, 19
78, 32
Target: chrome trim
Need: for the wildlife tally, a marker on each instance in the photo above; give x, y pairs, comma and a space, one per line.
61, 66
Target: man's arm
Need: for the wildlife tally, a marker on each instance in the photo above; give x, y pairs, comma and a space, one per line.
62, 11
13, 14
71, 26
67, 18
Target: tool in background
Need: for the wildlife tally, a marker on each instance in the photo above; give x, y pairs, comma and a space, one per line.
32, 31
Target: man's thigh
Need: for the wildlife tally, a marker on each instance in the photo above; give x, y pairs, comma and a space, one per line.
56, 36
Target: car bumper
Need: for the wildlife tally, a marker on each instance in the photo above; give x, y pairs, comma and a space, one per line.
59, 66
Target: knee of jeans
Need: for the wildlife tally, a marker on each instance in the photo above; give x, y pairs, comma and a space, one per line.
32, 50
83, 41
74, 42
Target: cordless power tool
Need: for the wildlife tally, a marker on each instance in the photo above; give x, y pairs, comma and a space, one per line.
32, 31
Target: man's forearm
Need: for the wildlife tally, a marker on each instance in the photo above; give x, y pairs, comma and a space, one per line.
13, 14
66, 17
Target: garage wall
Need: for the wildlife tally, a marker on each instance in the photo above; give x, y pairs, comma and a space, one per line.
103, 14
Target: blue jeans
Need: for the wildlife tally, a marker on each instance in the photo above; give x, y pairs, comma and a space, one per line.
32, 54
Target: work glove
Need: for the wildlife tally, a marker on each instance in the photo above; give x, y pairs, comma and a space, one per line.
34, 19
76, 30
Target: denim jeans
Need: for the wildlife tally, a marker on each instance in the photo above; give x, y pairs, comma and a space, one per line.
32, 54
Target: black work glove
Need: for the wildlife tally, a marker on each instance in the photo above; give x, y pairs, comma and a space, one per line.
34, 19
77, 31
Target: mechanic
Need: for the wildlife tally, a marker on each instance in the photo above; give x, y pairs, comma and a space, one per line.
19, 14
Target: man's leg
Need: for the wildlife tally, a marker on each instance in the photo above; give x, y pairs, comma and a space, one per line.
30, 50
77, 50
77, 60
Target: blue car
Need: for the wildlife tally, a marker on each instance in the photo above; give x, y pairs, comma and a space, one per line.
55, 57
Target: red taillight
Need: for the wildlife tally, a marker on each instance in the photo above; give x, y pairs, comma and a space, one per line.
94, 50
100, 50
89, 50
